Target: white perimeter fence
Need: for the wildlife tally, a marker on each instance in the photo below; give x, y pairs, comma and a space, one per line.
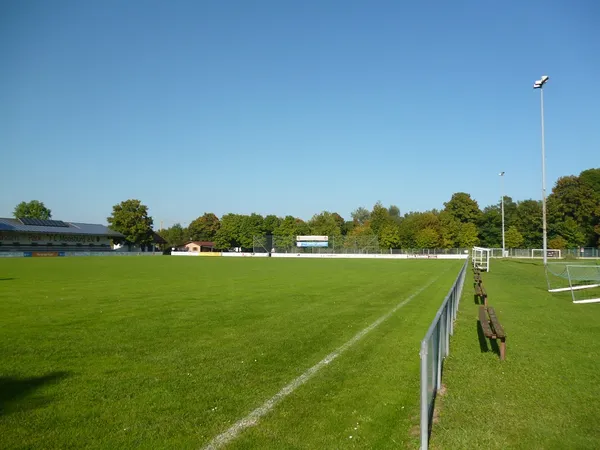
523, 253
435, 346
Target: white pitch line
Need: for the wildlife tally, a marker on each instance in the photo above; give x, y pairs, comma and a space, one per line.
252, 418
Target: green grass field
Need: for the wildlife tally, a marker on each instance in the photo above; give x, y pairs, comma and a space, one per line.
545, 395
168, 352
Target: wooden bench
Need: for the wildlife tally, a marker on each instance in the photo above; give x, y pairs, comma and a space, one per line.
492, 329
480, 292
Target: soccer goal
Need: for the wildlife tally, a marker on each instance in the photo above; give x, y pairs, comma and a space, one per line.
497, 253
582, 281
481, 258
550, 253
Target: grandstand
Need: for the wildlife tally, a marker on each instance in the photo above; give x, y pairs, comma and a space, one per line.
46, 237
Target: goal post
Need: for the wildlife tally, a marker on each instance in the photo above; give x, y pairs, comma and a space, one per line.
584, 281
481, 258
581, 281
552, 253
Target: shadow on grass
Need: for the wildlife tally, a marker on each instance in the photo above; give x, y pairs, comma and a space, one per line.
7, 279
530, 263
483, 341
13, 391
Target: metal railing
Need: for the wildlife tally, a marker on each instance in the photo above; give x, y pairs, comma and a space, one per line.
435, 346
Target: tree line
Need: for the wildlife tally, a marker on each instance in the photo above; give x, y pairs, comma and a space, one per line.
573, 218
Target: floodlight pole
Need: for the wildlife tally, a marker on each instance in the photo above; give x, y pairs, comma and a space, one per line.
544, 225
502, 202
540, 85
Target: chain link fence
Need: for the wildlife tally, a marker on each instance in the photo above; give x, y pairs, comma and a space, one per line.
370, 245
343, 245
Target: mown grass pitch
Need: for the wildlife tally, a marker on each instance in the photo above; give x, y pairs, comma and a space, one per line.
168, 352
545, 395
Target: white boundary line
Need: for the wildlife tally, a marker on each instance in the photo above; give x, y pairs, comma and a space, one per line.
253, 418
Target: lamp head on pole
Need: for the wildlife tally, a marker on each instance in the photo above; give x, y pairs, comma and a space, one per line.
540, 83
501, 174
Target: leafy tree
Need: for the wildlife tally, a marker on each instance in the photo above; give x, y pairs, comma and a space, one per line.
573, 198
361, 230
596, 223
490, 222
228, 235
358, 235
348, 227
131, 219
238, 230
558, 242
413, 222
32, 210
165, 234
340, 222
271, 223
463, 208
204, 228
513, 239
389, 236
467, 235
591, 178
325, 224
449, 230
360, 215
571, 232
290, 227
394, 213
528, 220
380, 216
427, 238
429, 219
176, 235
510, 210
490, 226
408, 229
250, 226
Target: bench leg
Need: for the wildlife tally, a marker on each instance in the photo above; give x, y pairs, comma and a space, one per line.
502, 349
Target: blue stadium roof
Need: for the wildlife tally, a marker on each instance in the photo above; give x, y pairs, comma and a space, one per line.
71, 228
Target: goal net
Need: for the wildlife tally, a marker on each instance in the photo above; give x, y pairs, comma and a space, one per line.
481, 258
581, 281
550, 253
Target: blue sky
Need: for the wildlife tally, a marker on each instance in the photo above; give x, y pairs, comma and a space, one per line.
290, 107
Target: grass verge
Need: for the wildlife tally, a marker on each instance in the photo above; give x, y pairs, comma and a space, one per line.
545, 395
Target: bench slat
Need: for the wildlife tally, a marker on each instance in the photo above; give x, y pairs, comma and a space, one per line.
480, 290
496, 324
485, 325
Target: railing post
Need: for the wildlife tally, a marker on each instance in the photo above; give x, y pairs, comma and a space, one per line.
438, 381
447, 328
424, 399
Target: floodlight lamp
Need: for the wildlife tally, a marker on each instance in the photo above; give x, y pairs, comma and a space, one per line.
540, 83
